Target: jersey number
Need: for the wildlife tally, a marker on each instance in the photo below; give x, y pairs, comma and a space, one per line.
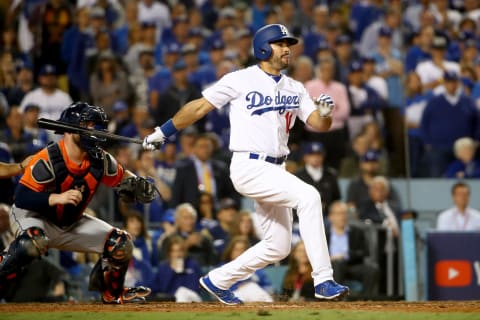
288, 119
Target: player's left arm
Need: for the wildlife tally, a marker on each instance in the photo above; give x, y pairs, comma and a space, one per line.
321, 119
316, 112
129, 186
318, 122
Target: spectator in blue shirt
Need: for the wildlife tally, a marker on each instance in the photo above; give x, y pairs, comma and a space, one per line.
447, 117
206, 210
165, 57
14, 95
83, 46
30, 117
415, 103
476, 86
362, 14
345, 54
180, 91
365, 102
135, 226
177, 33
20, 142
121, 33
420, 49
70, 37
177, 276
317, 32
390, 66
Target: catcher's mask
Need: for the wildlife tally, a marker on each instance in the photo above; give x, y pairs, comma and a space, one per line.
85, 115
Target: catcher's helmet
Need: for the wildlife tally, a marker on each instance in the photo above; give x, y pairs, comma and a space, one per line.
268, 34
81, 113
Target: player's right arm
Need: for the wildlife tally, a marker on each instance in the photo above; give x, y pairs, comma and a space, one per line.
68, 197
186, 116
8, 170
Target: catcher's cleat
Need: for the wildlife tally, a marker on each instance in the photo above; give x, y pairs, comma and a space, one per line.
330, 290
120, 301
224, 296
130, 295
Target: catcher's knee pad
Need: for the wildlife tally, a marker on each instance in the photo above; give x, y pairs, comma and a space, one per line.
108, 274
118, 247
29, 245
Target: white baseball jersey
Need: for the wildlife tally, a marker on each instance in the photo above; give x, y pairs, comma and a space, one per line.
262, 111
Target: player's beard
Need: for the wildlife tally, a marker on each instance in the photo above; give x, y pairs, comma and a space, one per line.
76, 141
280, 62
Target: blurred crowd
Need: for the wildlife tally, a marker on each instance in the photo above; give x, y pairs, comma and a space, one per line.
405, 77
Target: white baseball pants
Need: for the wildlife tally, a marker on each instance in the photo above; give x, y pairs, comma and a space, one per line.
275, 192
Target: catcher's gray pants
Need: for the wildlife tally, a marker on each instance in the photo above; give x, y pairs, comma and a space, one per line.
86, 235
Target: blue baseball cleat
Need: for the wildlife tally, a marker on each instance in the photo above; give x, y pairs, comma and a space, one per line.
330, 290
225, 296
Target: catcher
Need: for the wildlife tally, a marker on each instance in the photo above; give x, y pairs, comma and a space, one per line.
56, 187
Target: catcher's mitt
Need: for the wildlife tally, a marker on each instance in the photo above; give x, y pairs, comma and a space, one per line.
136, 189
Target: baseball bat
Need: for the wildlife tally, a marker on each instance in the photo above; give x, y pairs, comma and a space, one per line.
73, 128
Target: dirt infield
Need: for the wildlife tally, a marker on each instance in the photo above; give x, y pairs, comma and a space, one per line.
385, 306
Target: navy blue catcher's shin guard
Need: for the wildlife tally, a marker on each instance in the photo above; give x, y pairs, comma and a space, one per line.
31, 244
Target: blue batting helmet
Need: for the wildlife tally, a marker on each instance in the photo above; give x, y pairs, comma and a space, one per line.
268, 34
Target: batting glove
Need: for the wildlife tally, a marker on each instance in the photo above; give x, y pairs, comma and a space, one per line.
325, 105
154, 140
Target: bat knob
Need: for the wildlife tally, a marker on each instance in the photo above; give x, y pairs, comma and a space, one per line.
157, 145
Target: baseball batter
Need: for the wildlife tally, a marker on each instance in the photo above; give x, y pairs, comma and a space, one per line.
264, 104
57, 186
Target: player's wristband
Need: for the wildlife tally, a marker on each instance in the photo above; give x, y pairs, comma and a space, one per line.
168, 128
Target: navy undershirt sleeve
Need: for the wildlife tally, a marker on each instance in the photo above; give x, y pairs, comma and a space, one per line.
28, 199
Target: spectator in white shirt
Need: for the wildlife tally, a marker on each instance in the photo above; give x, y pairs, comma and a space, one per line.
373, 80
460, 217
431, 71
48, 97
154, 11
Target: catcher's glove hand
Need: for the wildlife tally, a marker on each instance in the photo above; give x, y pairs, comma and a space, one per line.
136, 189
